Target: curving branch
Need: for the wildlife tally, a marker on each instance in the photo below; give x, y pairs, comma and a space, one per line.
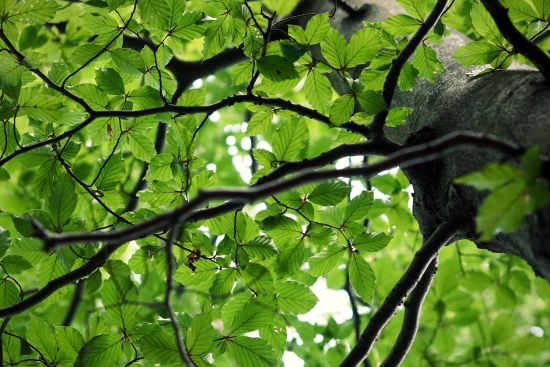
521, 44
90, 266
75, 302
186, 110
429, 250
3, 328
170, 269
378, 121
405, 157
409, 328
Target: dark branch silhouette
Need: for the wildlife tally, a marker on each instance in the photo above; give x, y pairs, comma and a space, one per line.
441, 236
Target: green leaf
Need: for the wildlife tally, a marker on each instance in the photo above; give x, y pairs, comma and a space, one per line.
14, 264
329, 193
477, 53
4, 175
120, 298
416, 8
363, 46
275, 334
359, 206
316, 29
276, 68
50, 269
35, 12
160, 347
101, 350
400, 25
62, 201
110, 81
69, 341
192, 97
4, 241
155, 13
141, 261
145, 97
251, 352
503, 210
371, 101
111, 173
317, 90
521, 10
223, 285
159, 168
128, 61
242, 72
9, 293
397, 116
39, 106
341, 109
289, 139
493, 176
483, 23
503, 328
260, 248
215, 34
117, 268
371, 242
190, 25
31, 249
142, 147
542, 7
373, 79
200, 334
253, 316
361, 277
260, 122
204, 270
426, 62
11, 71
91, 94
325, 261
257, 277
40, 336
294, 297
407, 77
334, 48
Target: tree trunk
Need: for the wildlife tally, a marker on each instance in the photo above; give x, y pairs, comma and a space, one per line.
512, 104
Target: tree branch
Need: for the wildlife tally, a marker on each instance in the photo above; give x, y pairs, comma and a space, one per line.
3, 327
376, 146
185, 213
75, 302
441, 236
186, 110
170, 270
521, 44
409, 328
94, 263
377, 124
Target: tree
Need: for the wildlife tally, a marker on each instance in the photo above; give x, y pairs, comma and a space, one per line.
121, 243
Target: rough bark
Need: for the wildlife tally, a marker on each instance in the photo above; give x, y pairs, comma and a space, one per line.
511, 104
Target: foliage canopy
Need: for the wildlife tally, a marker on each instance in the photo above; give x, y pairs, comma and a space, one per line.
117, 250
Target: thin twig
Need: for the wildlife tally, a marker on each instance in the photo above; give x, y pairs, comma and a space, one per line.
409, 328
378, 121
521, 44
171, 268
75, 302
405, 157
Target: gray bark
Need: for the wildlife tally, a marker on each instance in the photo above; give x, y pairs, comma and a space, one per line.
512, 104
